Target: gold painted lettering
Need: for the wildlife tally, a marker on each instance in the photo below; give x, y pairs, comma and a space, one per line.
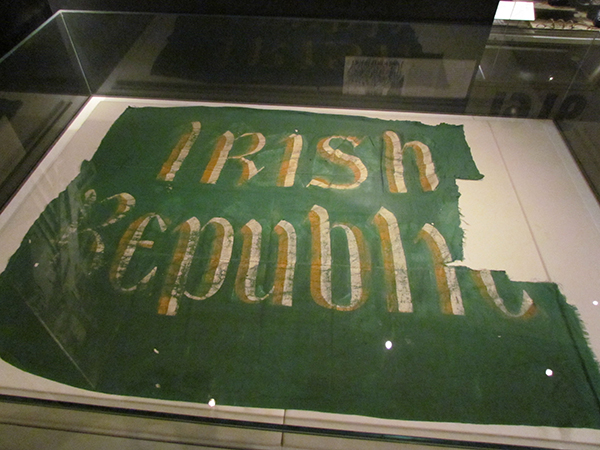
129, 243
321, 261
221, 155
447, 283
394, 262
179, 153
394, 165
289, 166
95, 247
245, 283
286, 264
124, 203
487, 286
338, 157
176, 277
215, 273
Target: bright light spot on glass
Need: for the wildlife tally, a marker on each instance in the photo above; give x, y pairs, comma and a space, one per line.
156, 351
36, 264
212, 402
595, 303
388, 344
549, 372
499, 335
157, 385
551, 78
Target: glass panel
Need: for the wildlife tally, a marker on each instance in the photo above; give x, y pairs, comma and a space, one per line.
533, 74
103, 41
41, 89
579, 118
422, 67
384, 316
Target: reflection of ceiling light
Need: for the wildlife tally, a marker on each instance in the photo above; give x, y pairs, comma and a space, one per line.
549, 372
212, 402
388, 344
551, 78
595, 303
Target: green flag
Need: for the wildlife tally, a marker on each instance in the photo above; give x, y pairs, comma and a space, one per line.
288, 260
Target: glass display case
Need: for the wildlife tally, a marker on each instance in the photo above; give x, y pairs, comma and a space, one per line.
171, 276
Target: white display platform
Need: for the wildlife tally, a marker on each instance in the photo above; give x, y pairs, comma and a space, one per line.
532, 215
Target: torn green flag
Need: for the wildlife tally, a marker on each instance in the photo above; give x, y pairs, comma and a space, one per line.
290, 260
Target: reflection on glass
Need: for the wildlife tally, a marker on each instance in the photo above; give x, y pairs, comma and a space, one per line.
41, 89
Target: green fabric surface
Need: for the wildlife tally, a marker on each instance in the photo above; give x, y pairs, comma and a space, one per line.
62, 317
